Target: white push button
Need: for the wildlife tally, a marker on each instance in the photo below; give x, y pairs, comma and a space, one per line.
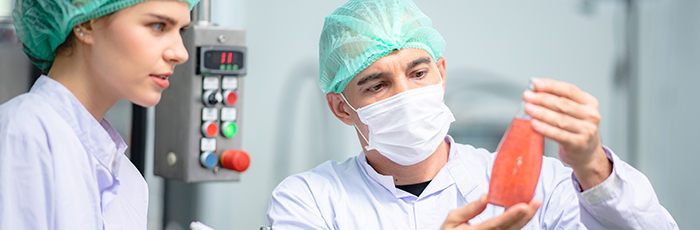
209, 114
210, 83
207, 144
229, 83
228, 114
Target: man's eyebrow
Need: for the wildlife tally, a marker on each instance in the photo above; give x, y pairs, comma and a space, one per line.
165, 18
422, 60
369, 77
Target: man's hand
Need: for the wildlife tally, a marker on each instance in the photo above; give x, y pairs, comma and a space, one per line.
566, 114
513, 218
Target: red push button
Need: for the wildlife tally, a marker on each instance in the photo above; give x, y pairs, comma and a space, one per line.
237, 160
210, 128
230, 97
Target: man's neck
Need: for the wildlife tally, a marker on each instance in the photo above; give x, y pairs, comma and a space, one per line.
404, 175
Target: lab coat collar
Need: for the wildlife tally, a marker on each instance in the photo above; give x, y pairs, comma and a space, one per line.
462, 171
385, 181
99, 139
444, 178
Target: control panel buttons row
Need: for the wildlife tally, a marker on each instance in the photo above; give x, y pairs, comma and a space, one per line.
212, 83
210, 128
237, 160
227, 114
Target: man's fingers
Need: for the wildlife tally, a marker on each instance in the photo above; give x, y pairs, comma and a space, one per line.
562, 105
514, 217
555, 133
555, 119
530, 212
564, 89
465, 213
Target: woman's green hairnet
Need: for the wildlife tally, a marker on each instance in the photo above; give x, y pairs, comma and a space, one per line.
43, 25
361, 31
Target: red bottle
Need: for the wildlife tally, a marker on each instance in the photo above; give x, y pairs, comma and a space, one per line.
516, 169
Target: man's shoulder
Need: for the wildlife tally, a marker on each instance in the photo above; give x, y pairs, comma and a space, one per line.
328, 173
471, 154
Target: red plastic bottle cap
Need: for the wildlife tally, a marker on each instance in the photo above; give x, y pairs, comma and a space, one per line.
231, 97
237, 160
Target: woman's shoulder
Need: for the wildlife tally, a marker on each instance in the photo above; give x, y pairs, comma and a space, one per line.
28, 113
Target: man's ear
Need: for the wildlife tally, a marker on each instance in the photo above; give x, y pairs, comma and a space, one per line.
441, 65
339, 108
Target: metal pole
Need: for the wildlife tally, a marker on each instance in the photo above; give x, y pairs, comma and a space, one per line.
194, 14
201, 13
627, 79
205, 11
633, 81
139, 123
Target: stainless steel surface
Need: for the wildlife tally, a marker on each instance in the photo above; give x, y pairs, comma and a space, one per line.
178, 115
201, 13
205, 10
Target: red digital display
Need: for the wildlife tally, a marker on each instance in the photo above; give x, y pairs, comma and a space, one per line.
223, 60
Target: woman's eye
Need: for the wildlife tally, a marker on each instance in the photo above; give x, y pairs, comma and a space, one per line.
158, 26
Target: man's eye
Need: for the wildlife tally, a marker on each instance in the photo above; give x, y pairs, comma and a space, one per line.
376, 88
420, 74
158, 26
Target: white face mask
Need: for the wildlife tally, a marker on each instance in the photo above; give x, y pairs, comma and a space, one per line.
408, 127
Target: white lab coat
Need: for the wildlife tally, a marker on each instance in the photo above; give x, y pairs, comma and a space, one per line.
61, 169
352, 195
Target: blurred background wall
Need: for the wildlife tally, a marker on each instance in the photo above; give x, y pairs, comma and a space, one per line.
641, 59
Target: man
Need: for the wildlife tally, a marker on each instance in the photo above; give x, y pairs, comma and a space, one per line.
382, 71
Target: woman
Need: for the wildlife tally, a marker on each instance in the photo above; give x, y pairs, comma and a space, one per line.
62, 166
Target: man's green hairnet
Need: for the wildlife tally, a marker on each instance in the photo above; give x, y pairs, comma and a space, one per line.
361, 31
43, 25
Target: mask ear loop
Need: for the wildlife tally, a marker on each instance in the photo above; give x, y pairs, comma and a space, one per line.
358, 129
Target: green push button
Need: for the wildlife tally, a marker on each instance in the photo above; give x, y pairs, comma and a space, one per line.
235, 67
228, 129
222, 67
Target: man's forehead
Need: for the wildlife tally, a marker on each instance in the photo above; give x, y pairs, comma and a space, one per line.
403, 57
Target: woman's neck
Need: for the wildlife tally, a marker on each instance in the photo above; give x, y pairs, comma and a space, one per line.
74, 73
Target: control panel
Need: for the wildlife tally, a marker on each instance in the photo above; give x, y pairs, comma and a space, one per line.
198, 120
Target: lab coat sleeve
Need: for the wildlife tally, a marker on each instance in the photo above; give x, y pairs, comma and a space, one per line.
560, 209
625, 200
293, 206
26, 181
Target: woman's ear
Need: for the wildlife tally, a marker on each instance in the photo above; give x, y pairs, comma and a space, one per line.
84, 32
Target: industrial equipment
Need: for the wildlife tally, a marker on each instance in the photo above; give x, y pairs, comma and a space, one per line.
198, 120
